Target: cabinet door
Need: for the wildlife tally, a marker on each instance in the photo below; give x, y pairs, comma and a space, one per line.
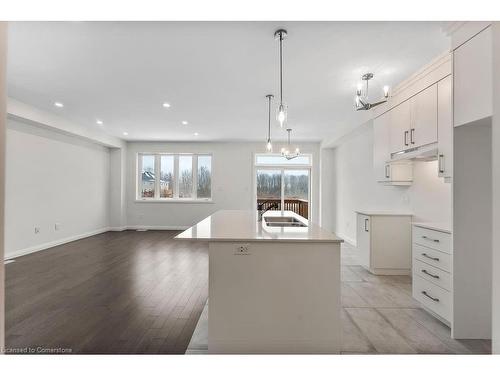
473, 75
381, 152
424, 115
445, 128
399, 127
363, 239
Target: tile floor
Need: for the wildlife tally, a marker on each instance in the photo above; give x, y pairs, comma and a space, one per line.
379, 316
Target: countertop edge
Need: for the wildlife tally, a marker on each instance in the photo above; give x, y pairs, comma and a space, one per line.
289, 240
382, 213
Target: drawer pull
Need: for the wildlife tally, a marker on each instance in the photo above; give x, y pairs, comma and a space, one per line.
429, 257
430, 274
428, 296
430, 239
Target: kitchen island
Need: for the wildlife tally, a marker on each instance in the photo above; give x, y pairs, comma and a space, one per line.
274, 285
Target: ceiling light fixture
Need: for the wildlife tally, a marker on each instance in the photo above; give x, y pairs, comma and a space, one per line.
282, 114
125, 133
184, 122
58, 104
269, 145
166, 105
196, 134
361, 98
287, 152
99, 122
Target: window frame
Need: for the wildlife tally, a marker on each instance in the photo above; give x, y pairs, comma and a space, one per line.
175, 199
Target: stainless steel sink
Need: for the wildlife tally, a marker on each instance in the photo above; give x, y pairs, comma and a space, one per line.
283, 221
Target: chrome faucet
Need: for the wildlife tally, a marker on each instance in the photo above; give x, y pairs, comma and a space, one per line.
261, 211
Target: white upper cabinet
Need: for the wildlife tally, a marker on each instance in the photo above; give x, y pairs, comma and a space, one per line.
413, 123
424, 117
472, 71
445, 128
399, 127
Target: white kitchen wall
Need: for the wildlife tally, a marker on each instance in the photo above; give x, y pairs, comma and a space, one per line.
355, 187
52, 178
232, 186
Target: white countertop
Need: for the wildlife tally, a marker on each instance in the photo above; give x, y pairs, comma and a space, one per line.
441, 227
384, 213
242, 225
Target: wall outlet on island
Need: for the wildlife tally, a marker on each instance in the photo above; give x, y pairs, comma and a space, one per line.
37, 230
242, 249
57, 226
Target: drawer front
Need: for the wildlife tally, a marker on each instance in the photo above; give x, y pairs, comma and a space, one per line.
432, 238
433, 257
432, 297
432, 274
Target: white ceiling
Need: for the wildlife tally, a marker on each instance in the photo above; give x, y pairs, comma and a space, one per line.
215, 75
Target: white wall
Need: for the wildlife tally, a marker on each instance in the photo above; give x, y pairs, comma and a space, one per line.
3, 67
496, 188
52, 178
355, 187
232, 170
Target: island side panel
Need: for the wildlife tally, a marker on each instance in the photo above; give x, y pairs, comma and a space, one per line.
276, 298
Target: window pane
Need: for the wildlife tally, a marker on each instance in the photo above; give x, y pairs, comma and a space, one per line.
204, 188
148, 176
167, 176
297, 191
269, 189
185, 176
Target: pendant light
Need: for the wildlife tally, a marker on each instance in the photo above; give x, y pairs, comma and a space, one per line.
280, 35
287, 152
361, 102
269, 145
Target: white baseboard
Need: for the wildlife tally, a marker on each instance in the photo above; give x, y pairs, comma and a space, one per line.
48, 245
62, 241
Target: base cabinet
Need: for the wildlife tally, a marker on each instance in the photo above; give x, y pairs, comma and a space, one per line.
432, 278
384, 242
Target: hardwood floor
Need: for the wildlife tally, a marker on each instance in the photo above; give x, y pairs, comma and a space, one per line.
118, 292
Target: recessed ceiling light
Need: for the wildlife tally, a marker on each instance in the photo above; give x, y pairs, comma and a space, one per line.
196, 134
125, 133
184, 122
58, 104
166, 105
99, 122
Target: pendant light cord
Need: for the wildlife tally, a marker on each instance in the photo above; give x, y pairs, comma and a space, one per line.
281, 68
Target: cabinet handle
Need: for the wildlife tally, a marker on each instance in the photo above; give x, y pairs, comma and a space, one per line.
429, 257
406, 138
430, 274
430, 239
366, 222
428, 296
441, 163
412, 131
387, 171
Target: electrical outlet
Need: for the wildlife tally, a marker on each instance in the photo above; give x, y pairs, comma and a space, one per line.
37, 230
57, 226
242, 249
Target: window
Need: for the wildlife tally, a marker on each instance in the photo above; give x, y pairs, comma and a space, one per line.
148, 181
181, 177
204, 178
283, 185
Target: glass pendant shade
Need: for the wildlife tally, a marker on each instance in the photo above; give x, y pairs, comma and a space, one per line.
282, 114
